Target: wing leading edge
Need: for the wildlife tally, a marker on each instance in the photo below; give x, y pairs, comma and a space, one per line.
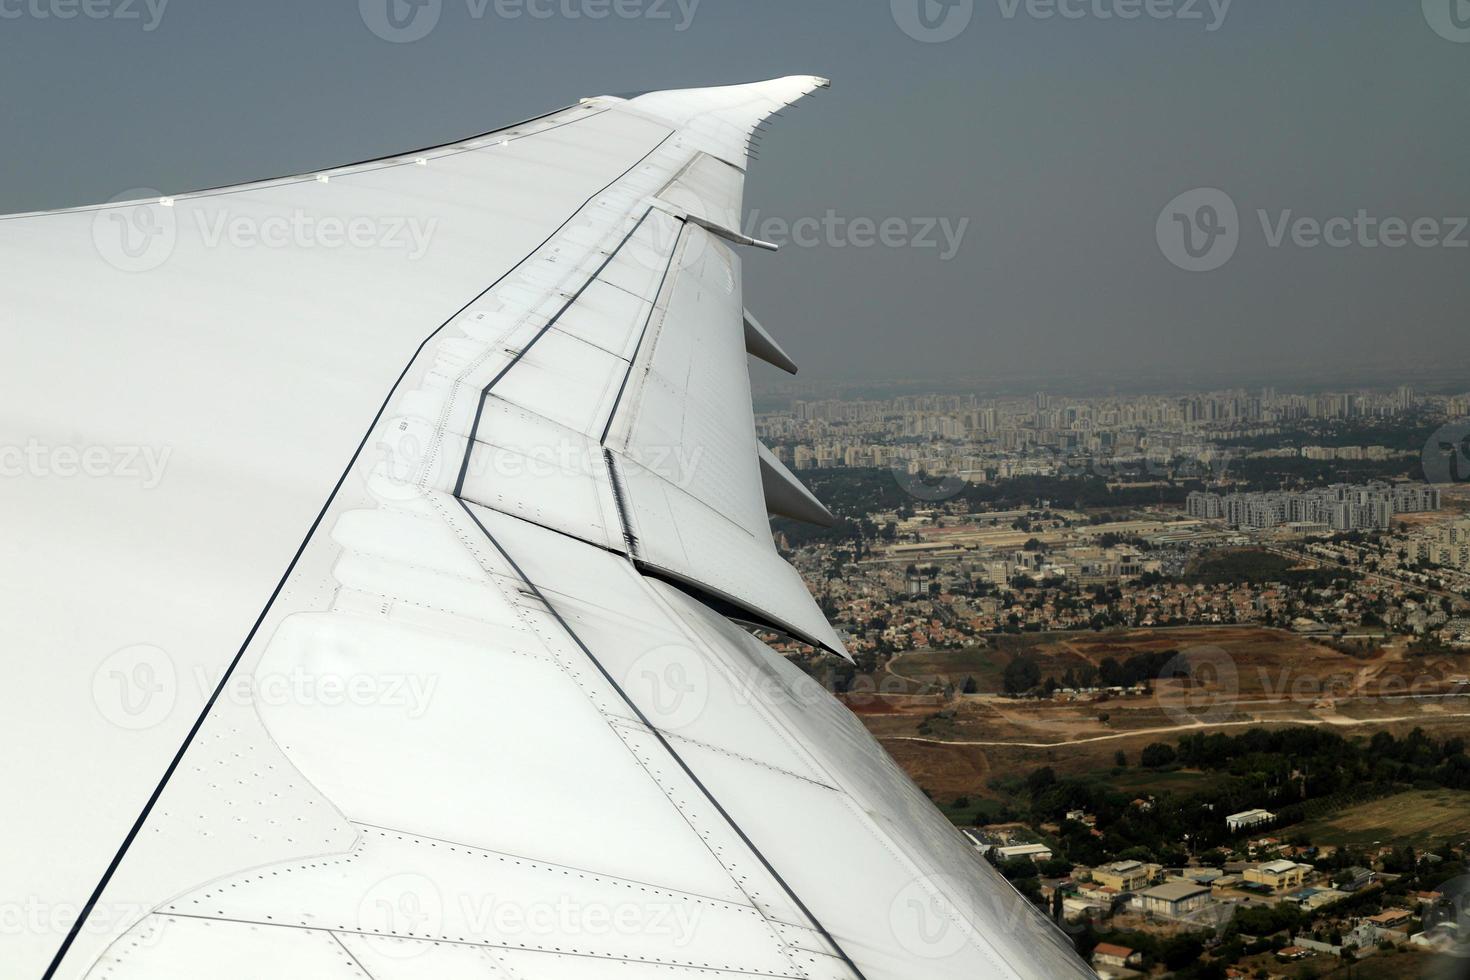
495, 720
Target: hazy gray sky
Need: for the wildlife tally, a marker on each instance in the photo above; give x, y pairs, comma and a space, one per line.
1045, 138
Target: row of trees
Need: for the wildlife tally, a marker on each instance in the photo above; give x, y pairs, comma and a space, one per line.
1023, 674
1278, 769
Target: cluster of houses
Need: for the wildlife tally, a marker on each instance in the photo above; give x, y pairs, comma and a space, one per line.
1188, 896
1201, 897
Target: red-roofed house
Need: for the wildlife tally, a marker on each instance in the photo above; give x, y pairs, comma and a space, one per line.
1108, 954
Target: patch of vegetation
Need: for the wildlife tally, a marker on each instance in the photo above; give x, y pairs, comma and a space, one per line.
1252, 566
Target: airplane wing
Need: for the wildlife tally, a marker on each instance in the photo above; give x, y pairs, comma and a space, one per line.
381, 546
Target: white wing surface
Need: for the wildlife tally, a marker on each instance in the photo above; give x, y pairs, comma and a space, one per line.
376, 543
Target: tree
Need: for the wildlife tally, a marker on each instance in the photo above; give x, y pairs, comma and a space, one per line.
1157, 754
1180, 951
970, 686
1041, 780
1021, 675
1120, 759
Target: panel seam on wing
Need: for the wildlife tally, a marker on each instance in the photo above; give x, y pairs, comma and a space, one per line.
736, 876
728, 753
668, 790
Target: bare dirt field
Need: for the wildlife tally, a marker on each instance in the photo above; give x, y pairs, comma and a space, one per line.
954, 746
949, 769
1262, 662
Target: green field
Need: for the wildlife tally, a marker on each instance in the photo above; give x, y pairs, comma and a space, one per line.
929, 667
1419, 817
976, 811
